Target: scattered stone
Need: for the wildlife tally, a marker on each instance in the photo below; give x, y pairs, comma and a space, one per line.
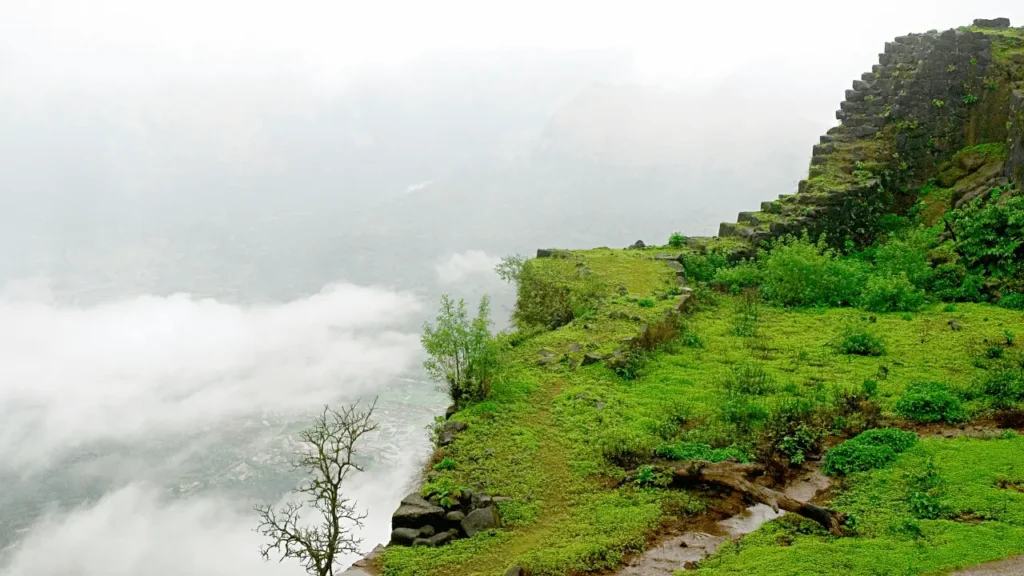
622, 290
545, 352
427, 531
454, 516
421, 542
415, 512
955, 326
479, 520
575, 347
482, 501
450, 411
404, 536
514, 571
636, 319
637, 245
589, 359
618, 315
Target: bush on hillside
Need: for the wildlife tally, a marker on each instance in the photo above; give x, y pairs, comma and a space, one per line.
906, 254
891, 294
1004, 388
1013, 301
553, 294
462, 355
734, 280
798, 272
860, 342
677, 240
869, 450
990, 235
702, 267
928, 402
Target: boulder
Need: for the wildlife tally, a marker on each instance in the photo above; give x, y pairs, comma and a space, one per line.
514, 571
450, 411
415, 512
454, 516
637, 245
441, 538
545, 252
450, 430
404, 536
575, 347
481, 501
427, 531
479, 520
589, 359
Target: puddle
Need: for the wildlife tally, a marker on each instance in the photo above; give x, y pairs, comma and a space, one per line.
674, 553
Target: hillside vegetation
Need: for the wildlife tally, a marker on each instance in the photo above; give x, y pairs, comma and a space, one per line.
894, 364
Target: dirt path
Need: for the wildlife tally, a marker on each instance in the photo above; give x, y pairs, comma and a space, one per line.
553, 457
1007, 567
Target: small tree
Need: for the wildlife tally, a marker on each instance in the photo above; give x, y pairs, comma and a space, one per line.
510, 268
317, 543
462, 353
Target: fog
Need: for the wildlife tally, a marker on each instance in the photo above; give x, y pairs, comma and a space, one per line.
216, 217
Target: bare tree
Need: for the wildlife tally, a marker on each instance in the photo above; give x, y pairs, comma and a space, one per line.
328, 459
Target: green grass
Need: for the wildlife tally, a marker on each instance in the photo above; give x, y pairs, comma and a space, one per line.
545, 437
980, 520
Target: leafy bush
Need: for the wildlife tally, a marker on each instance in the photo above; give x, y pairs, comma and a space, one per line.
906, 254
868, 450
1013, 301
990, 236
790, 433
931, 402
860, 342
798, 272
462, 355
743, 413
645, 303
891, 294
749, 379
702, 267
738, 278
550, 294
694, 451
677, 240
446, 463
627, 447
1005, 388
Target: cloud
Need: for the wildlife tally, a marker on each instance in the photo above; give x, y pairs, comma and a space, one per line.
461, 266
138, 368
138, 530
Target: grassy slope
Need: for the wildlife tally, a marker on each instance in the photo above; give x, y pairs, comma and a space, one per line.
538, 439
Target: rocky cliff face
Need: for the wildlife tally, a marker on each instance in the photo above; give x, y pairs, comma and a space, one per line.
929, 96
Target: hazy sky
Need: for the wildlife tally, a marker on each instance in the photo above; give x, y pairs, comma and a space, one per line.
65, 41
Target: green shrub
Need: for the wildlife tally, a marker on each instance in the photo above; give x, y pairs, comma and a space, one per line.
1004, 388
694, 451
551, 292
798, 272
906, 254
868, 450
1013, 301
749, 379
627, 447
702, 267
645, 303
990, 235
928, 402
891, 294
677, 240
445, 464
790, 433
743, 413
738, 278
860, 342
462, 355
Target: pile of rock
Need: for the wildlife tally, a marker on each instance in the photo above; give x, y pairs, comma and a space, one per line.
421, 522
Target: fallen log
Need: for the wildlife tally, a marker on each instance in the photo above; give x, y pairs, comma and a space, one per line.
735, 476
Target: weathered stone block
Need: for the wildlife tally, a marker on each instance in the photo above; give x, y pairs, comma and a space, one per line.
995, 23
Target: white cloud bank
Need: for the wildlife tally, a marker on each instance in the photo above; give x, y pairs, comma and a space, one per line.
460, 267
155, 365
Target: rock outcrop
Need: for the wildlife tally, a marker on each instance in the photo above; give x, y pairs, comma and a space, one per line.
419, 522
